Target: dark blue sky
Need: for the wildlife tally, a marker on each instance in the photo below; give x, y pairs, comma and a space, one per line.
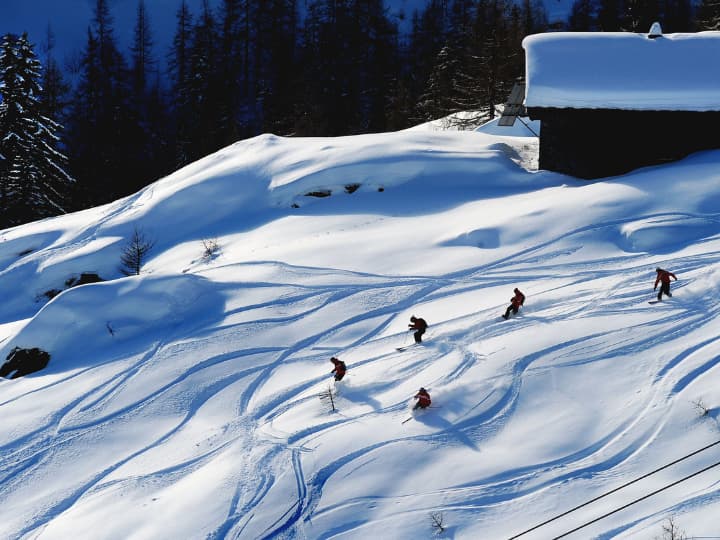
69, 20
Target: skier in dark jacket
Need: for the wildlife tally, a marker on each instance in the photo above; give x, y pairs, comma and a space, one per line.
419, 325
663, 277
515, 303
339, 369
423, 399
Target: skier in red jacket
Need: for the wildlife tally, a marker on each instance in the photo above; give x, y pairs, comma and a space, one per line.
515, 303
663, 277
339, 369
423, 399
418, 324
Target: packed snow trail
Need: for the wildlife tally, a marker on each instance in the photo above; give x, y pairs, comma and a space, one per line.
205, 384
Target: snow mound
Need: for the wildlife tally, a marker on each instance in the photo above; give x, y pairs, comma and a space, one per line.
666, 234
480, 238
128, 315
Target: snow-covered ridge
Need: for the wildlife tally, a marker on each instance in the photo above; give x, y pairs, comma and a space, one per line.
183, 402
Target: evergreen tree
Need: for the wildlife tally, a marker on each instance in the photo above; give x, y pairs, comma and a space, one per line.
151, 147
582, 16
497, 52
236, 43
451, 85
708, 15
204, 88
142, 59
373, 42
535, 20
276, 75
33, 181
427, 38
103, 130
639, 15
609, 15
677, 16
437, 99
55, 90
329, 102
180, 73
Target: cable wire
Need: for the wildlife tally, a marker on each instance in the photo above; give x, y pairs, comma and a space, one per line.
613, 491
638, 500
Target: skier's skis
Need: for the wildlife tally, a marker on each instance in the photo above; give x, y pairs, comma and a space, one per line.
412, 416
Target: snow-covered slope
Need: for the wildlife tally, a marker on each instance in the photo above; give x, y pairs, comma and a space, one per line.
184, 402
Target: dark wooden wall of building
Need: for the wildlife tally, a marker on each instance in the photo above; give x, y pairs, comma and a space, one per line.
595, 143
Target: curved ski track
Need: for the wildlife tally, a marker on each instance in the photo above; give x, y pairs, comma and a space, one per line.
192, 378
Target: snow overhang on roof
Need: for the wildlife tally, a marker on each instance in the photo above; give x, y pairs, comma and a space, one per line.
620, 70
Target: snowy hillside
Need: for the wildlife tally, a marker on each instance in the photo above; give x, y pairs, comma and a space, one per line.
184, 402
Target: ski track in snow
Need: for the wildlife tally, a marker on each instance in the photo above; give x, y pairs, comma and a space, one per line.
243, 370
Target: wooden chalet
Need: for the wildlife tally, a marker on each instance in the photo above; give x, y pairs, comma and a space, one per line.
610, 102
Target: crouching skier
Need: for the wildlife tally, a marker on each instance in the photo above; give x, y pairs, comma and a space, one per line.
339, 369
423, 398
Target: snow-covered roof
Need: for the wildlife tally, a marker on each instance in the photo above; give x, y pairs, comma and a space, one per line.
620, 70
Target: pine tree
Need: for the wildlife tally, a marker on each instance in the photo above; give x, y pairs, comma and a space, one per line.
677, 16
55, 90
375, 42
582, 16
427, 38
495, 53
437, 100
275, 72
608, 15
204, 87
180, 72
326, 61
142, 60
33, 181
708, 15
233, 67
639, 15
151, 147
350, 67
467, 91
104, 129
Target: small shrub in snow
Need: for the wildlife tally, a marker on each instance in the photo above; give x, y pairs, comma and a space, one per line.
351, 188
671, 531
135, 253
328, 398
701, 408
437, 522
211, 248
